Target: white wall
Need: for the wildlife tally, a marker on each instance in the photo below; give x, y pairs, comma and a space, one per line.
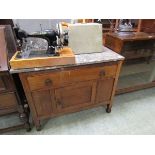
32, 25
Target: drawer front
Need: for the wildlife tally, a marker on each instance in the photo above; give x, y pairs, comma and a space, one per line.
43, 81
133, 54
92, 73
8, 100
62, 78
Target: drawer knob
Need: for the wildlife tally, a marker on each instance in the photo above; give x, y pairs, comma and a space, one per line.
59, 103
102, 73
48, 82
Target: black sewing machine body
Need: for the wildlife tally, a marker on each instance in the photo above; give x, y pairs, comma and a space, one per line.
39, 44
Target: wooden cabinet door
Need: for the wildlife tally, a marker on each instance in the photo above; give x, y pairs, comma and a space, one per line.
75, 96
43, 102
104, 90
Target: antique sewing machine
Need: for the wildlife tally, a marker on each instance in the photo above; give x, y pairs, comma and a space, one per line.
55, 39
40, 49
56, 47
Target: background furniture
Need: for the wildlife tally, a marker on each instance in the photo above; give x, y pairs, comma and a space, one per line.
147, 25
112, 25
138, 69
10, 87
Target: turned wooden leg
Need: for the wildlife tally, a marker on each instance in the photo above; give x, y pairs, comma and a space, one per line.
23, 108
38, 125
24, 116
28, 127
27, 124
148, 60
108, 109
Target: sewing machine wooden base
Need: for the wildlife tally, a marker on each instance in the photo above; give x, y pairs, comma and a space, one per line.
66, 57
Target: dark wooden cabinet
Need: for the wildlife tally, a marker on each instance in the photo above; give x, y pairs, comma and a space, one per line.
8, 96
134, 42
138, 48
10, 101
59, 91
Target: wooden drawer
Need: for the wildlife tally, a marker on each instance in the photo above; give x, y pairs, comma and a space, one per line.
8, 100
91, 73
44, 81
50, 80
137, 53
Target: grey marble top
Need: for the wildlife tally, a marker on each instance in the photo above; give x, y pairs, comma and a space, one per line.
82, 59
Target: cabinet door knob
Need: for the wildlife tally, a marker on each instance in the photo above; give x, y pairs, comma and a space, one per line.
48, 82
102, 73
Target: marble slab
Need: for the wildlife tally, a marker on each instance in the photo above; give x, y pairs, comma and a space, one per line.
82, 59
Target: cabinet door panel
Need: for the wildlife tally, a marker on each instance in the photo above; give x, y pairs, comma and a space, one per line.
2, 85
6, 83
75, 96
43, 102
104, 90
